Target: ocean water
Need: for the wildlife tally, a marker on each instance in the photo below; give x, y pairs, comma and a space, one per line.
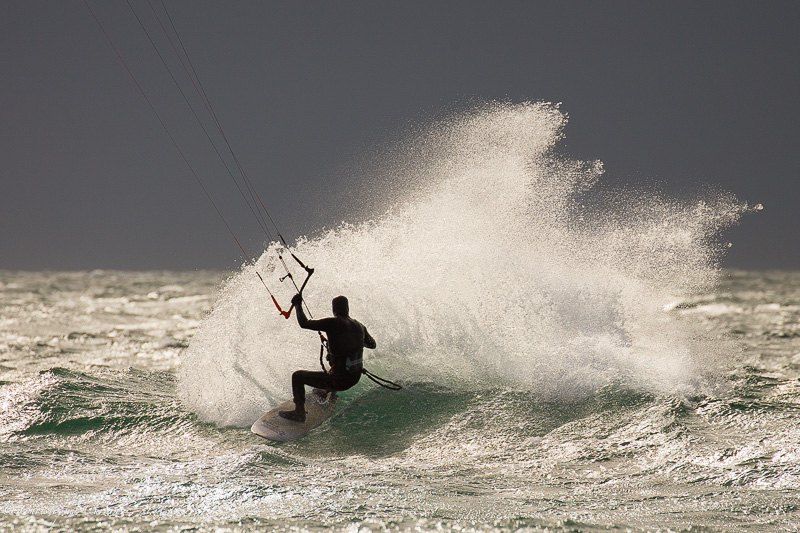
573, 359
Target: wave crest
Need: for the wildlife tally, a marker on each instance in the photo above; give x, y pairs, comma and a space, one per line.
501, 263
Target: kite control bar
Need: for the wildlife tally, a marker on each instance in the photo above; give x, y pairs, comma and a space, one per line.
309, 272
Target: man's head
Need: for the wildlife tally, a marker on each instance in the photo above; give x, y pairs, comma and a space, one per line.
340, 306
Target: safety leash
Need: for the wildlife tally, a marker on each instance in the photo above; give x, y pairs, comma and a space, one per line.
385, 383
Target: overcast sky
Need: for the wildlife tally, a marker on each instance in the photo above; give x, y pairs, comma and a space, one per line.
684, 93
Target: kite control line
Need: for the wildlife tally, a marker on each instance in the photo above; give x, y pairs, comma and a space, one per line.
243, 183
246, 188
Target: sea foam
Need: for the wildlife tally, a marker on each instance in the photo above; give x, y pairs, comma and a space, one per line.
500, 263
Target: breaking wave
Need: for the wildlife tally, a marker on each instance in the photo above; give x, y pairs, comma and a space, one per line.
501, 263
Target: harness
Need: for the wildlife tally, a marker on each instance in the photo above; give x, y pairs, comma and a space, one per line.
385, 383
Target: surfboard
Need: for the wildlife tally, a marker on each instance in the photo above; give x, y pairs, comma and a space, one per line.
272, 426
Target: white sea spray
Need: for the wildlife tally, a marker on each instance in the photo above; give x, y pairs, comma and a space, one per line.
489, 270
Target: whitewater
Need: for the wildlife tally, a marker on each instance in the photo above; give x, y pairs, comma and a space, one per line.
572, 355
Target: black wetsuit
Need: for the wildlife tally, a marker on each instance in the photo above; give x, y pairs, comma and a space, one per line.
347, 339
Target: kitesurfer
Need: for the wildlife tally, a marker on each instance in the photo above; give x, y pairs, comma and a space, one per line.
347, 339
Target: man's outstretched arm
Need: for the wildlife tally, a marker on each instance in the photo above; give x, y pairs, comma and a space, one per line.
302, 319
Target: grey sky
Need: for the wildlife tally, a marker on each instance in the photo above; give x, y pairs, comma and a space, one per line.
685, 93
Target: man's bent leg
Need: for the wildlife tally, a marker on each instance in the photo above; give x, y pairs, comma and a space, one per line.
300, 379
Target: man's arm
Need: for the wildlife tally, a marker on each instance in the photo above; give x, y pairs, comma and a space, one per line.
369, 342
302, 319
